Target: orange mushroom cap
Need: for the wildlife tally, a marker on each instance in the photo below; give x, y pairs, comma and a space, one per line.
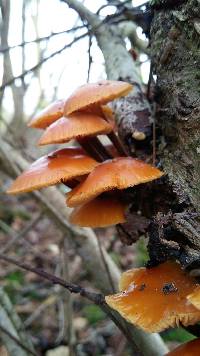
47, 116
194, 298
59, 166
191, 348
96, 93
77, 126
99, 212
118, 173
155, 299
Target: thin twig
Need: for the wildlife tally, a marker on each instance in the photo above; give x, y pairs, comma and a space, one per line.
96, 298
89, 57
40, 309
32, 69
40, 39
15, 237
17, 341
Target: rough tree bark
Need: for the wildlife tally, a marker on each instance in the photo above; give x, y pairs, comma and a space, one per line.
175, 50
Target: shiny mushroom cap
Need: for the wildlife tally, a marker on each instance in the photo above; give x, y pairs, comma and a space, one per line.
191, 348
99, 212
155, 299
47, 116
78, 125
118, 173
95, 94
56, 167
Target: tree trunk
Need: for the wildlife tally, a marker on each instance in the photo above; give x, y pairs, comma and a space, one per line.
175, 50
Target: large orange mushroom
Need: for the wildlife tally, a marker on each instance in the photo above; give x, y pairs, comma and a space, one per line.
155, 299
79, 125
100, 212
118, 173
56, 167
47, 116
95, 94
83, 127
191, 348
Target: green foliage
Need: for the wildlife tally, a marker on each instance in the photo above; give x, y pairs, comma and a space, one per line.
142, 255
93, 314
177, 334
16, 278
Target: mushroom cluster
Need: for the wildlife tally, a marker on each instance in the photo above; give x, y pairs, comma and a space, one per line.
94, 172
157, 298
97, 175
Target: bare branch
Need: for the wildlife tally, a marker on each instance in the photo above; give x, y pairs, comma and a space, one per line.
89, 58
83, 12
96, 298
40, 39
11, 81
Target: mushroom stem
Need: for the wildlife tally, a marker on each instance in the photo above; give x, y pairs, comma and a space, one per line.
117, 143
99, 147
71, 184
86, 144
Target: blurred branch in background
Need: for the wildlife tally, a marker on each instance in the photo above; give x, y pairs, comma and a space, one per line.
12, 332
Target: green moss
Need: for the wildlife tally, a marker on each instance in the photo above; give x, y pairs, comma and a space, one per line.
177, 334
142, 255
93, 314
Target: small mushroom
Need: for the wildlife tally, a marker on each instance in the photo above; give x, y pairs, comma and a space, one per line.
79, 125
155, 299
118, 173
191, 348
47, 116
95, 94
56, 167
100, 212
